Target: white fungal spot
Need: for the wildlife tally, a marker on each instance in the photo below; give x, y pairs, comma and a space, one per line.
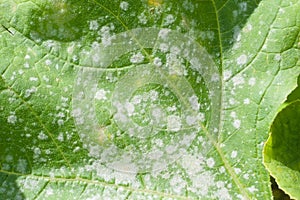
163, 33
101, 94
163, 47
124, 5
177, 183
60, 137
247, 28
246, 101
233, 114
129, 108
238, 80
236, 123
137, 58
191, 120
277, 57
227, 74
94, 25
222, 170
210, 162
9, 158
30, 91
26, 65
237, 170
252, 189
142, 19
242, 59
48, 62
194, 102
157, 62
243, 6
233, 154
174, 123
246, 176
215, 77
33, 79
252, 81
42, 136
60, 122
232, 101
45, 78
12, 119
169, 19
22, 166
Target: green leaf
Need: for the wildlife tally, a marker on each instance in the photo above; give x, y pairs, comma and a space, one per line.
281, 155
142, 99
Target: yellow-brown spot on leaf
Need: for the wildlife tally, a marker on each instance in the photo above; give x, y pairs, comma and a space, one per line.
155, 2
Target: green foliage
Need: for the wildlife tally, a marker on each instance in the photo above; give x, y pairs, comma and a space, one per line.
281, 153
144, 99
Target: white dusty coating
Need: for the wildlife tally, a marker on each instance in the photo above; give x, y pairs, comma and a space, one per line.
141, 115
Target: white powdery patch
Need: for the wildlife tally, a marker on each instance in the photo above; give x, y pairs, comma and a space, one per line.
119, 177
237, 170
177, 184
48, 62
137, 99
233, 114
194, 102
153, 95
94, 25
101, 94
26, 65
170, 19
142, 19
233, 154
106, 36
12, 118
155, 155
42, 136
238, 80
236, 123
30, 91
227, 74
252, 189
33, 79
137, 58
242, 59
157, 62
232, 101
191, 120
163, 33
277, 57
124, 5
60, 122
29, 183
252, 81
192, 164
22, 166
210, 162
129, 108
60, 137
248, 28
164, 47
215, 77
246, 176
246, 101
174, 123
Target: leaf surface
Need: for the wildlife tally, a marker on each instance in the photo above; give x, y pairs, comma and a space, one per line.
281, 155
142, 99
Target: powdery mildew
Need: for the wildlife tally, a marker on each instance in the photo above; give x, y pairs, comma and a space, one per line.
140, 116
